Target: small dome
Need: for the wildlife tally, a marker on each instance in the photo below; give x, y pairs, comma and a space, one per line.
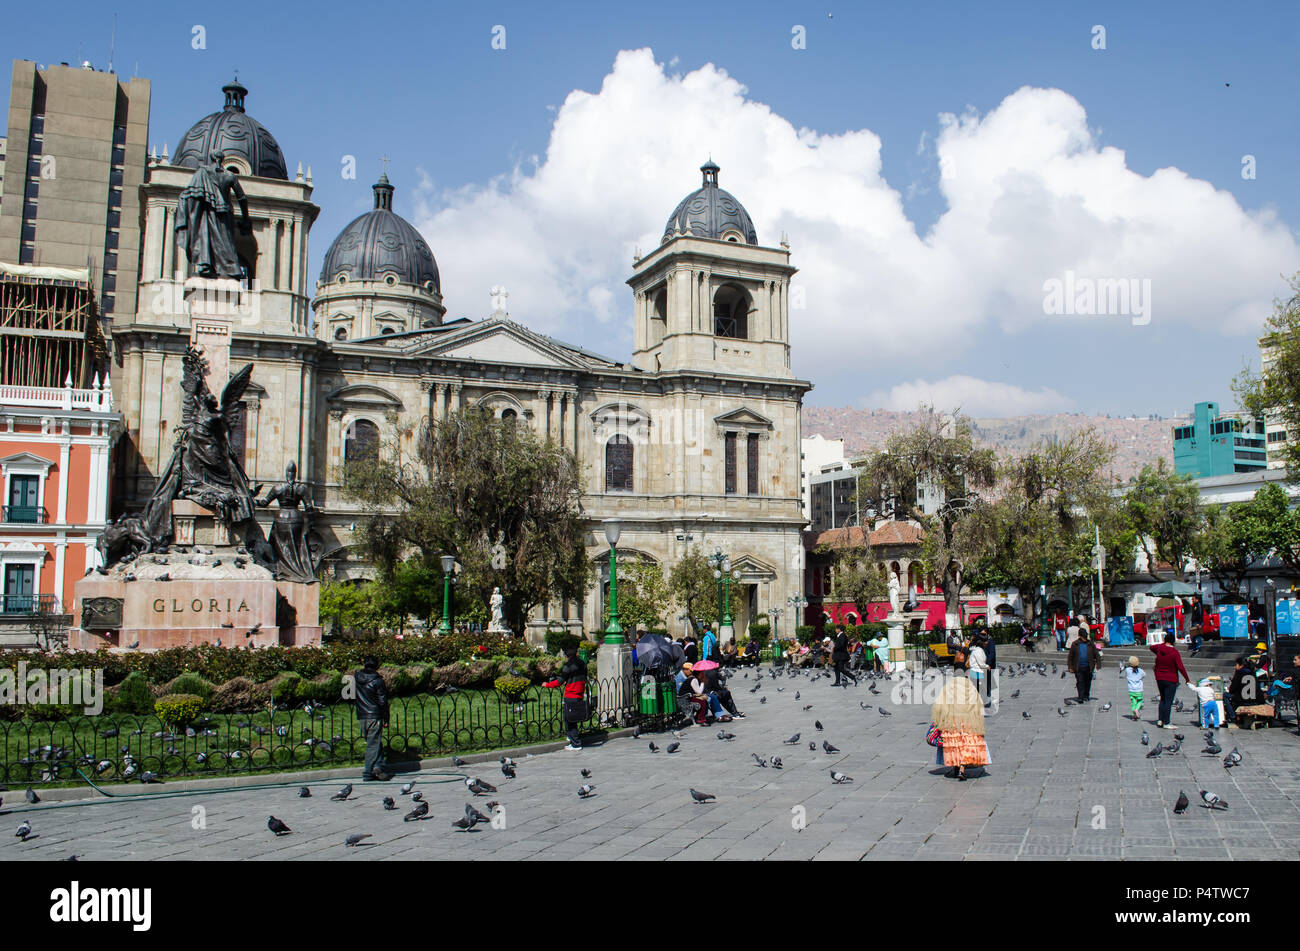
232, 131
709, 212
381, 244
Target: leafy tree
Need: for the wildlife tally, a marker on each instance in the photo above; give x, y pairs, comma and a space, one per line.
356, 605
694, 589
1230, 542
1277, 390
1279, 525
856, 577
1163, 509
642, 595
473, 481
938, 453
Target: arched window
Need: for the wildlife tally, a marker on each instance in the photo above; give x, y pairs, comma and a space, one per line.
361, 442
618, 464
341, 333
731, 312
386, 331
509, 416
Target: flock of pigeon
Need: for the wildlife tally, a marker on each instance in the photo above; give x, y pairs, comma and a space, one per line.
478, 787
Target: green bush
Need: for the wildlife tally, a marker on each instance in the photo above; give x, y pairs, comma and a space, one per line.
805, 633
588, 646
872, 629
761, 634
285, 689
193, 683
557, 639
133, 695
178, 709
512, 688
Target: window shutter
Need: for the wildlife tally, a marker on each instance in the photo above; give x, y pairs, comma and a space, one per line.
730, 445
751, 463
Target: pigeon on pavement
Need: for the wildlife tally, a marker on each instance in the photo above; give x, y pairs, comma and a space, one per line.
1212, 801
389, 805
1181, 805
419, 812
585, 790
837, 778
702, 796
352, 840
792, 741
653, 748
1145, 738
342, 794
276, 826
828, 748
673, 747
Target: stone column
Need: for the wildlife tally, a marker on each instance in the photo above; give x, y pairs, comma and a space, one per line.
61, 518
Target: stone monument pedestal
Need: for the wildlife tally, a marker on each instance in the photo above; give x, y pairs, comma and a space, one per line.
897, 650
618, 691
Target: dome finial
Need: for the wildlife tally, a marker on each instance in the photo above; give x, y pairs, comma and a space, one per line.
383, 191
710, 170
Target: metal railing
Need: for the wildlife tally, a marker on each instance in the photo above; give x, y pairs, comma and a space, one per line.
29, 604
122, 747
25, 514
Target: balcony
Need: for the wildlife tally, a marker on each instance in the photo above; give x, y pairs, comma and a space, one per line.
25, 515
29, 604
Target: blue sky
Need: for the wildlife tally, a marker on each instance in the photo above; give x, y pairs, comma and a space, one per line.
468, 129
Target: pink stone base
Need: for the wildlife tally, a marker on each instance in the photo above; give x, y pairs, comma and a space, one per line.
300, 636
160, 638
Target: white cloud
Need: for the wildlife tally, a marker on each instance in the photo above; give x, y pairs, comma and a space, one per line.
1030, 195
974, 397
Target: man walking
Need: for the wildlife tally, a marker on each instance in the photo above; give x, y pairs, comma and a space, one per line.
372, 712
1082, 660
840, 657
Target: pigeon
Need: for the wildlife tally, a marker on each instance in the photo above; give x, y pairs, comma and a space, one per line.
342, 794
276, 826
728, 737
796, 694
492, 804
419, 812
1025, 714
478, 816
478, 787
1173, 747
465, 822
509, 771
31, 796
24, 830
1145, 738
1213, 749
1181, 805
352, 840
1178, 736
406, 789
457, 761
702, 796
776, 762
812, 746
1160, 748
674, 747
585, 790
1212, 801
1232, 759
817, 724
586, 774
807, 707
148, 777
507, 761
864, 706
1106, 706
883, 712
389, 805
762, 700
653, 748
109, 733
792, 741
1063, 673
838, 777
1062, 712
1016, 695
759, 760
828, 748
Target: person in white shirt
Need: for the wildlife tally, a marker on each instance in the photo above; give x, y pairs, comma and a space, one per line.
977, 663
1209, 706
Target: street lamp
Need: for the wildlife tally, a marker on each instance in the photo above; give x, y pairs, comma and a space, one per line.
725, 573
614, 632
448, 566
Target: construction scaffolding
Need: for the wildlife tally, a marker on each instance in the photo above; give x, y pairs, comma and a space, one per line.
50, 332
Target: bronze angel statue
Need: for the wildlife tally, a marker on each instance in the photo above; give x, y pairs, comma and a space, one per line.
203, 466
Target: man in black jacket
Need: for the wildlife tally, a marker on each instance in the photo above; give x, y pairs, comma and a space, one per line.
840, 657
372, 712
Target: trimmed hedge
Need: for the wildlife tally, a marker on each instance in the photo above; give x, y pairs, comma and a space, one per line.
178, 709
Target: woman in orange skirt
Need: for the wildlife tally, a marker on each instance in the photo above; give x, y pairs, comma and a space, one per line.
959, 715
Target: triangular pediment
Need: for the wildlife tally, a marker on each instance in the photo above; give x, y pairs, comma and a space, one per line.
25, 460
744, 417
498, 341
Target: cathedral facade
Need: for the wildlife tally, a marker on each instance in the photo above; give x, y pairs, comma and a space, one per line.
693, 442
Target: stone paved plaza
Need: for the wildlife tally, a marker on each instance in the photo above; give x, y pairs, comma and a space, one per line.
1078, 786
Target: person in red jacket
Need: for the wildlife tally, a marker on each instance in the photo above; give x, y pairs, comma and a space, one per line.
1169, 664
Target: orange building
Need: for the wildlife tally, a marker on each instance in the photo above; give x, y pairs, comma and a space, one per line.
56, 445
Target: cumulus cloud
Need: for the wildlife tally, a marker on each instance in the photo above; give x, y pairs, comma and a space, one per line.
1030, 194
974, 397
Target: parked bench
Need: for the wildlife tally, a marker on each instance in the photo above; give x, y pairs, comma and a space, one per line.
940, 655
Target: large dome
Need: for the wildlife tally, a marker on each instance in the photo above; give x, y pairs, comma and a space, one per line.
380, 244
709, 212
232, 131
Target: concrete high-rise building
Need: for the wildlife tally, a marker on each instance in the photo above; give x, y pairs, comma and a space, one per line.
75, 160
1216, 444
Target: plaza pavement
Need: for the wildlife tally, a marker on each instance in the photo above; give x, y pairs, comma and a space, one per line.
1077, 787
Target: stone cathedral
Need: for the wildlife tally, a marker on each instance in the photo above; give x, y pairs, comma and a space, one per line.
694, 441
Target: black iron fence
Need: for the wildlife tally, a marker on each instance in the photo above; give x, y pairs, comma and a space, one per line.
124, 747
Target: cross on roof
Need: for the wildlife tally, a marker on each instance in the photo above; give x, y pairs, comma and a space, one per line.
384, 159
499, 296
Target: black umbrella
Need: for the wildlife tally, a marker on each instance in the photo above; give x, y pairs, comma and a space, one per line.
655, 650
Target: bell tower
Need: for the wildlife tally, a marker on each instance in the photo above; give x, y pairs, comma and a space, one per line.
710, 297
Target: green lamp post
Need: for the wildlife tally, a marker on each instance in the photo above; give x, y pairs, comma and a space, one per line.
614, 631
448, 566
725, 573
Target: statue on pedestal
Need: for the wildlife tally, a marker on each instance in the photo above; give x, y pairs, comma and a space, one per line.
893, 593
205, 220
292, 526
497, 625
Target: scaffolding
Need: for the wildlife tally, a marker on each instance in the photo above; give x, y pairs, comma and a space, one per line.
50, 331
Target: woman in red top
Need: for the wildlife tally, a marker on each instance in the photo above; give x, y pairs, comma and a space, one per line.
1169, 664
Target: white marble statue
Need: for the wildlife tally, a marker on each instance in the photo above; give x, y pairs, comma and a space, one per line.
893, 592
495, 602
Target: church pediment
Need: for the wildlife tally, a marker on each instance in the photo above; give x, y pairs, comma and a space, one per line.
743, 418
364, 395
751, 569
499, 340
